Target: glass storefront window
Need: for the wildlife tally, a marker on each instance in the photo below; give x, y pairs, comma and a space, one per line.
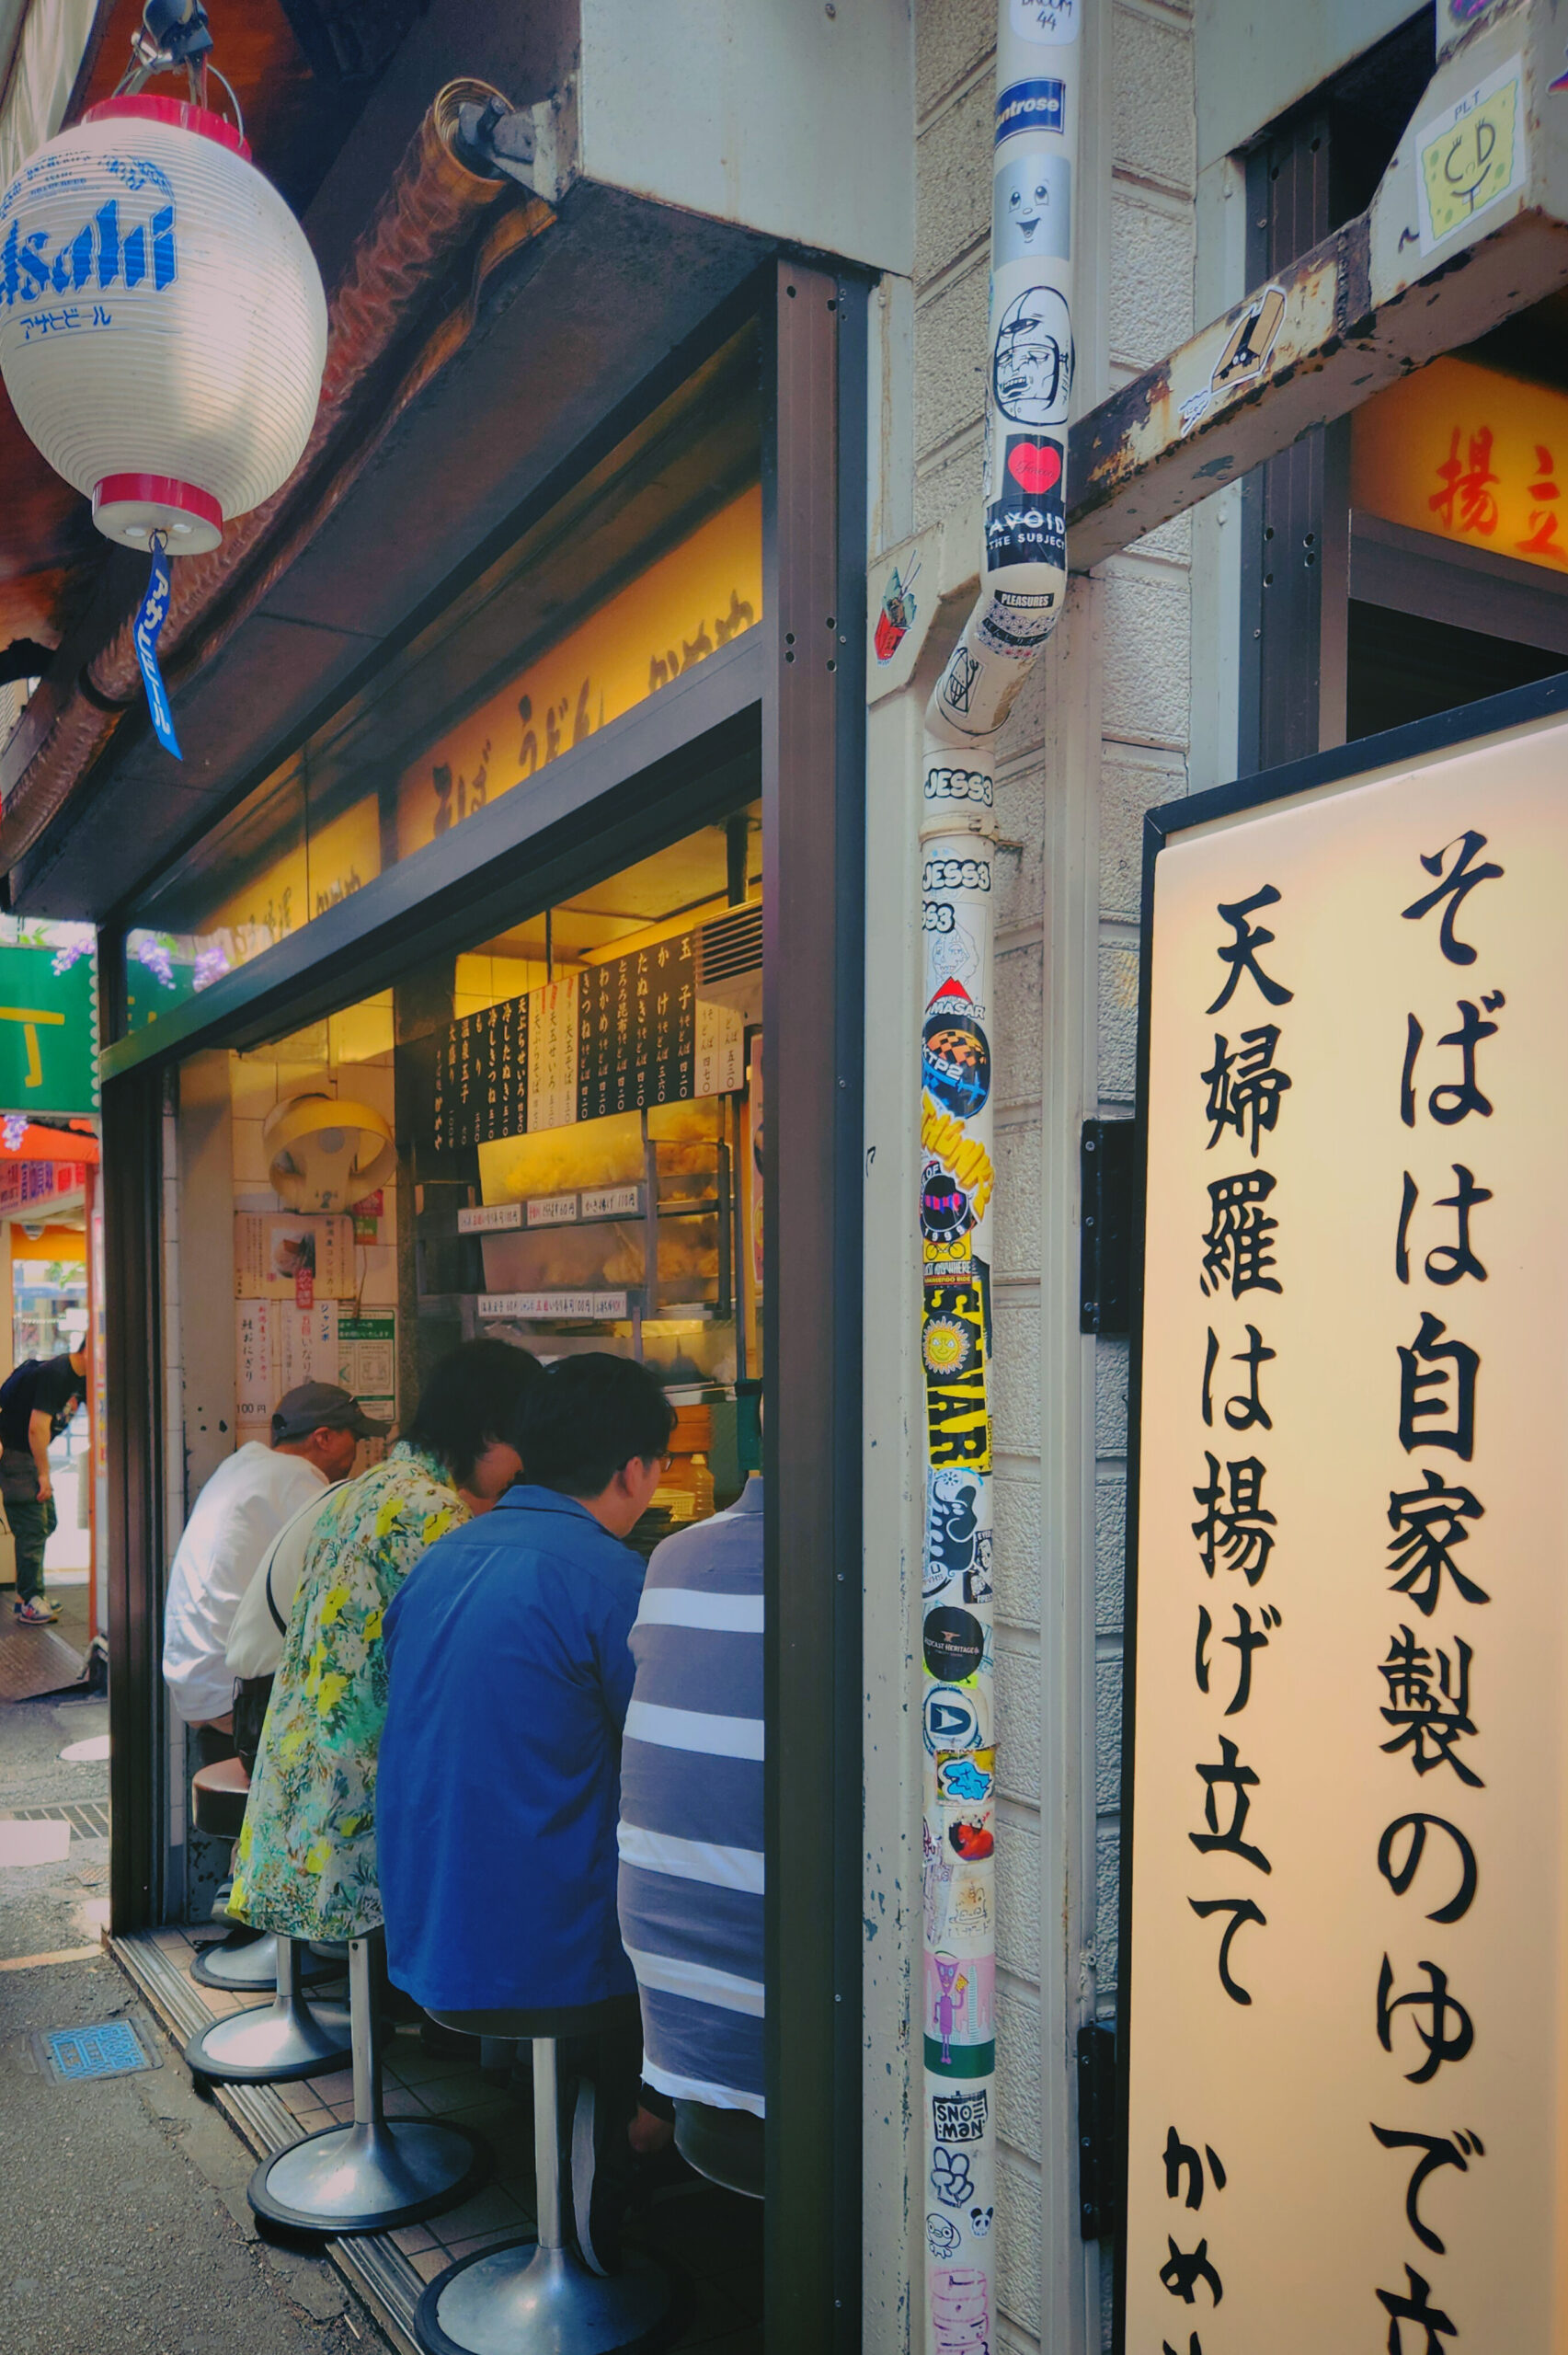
566, 1116
648, 566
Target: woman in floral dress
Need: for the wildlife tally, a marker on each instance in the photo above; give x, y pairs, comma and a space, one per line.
307, 1855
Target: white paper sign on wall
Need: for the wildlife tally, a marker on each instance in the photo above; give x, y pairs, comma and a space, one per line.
1348, 1941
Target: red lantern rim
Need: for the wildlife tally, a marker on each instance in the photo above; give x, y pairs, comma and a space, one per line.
177, 112
159, 491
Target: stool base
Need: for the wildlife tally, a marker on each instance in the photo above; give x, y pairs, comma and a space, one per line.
503, 2301
367, 2178
272, 2043
245, 1963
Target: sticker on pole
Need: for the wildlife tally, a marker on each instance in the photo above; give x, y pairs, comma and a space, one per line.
1472, 156
151, 615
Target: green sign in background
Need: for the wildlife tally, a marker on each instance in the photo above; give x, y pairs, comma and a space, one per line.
48, 1045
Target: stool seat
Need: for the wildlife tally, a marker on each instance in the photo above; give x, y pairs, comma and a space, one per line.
725, 2145
558, 2020
218, 1795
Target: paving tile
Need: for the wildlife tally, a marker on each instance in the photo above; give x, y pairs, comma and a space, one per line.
412, 2238
428, 2262
456, 2091
401, 2101
334, 2085
405, 2056
489, 2210
482, 2240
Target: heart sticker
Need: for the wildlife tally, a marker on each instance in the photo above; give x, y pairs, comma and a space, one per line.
1035, 467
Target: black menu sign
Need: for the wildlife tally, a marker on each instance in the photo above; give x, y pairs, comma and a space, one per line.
624, 1036
482, 1077
637, 1028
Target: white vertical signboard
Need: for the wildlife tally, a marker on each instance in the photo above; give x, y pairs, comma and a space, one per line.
1349, 1981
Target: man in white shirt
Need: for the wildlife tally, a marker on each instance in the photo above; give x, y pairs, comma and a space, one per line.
316, 1429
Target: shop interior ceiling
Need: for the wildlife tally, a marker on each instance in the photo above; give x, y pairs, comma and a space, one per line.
333, 91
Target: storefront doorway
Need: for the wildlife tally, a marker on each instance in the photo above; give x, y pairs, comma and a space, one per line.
633, 736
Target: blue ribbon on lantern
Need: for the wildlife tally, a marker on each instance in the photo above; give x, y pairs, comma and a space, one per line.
150, 617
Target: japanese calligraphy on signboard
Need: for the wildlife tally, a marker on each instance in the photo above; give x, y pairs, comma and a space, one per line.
1347, 2116
1466, 455
615, 1037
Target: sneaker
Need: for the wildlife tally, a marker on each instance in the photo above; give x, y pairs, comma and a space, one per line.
36, 1611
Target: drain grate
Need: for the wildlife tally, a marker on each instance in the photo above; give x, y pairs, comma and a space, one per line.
109, 2049
88, 1818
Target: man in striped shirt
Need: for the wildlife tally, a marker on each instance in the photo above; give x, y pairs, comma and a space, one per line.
691, 1837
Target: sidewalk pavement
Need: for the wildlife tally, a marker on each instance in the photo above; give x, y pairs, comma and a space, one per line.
124, 2228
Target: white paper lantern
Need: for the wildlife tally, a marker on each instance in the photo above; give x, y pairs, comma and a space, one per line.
163, 329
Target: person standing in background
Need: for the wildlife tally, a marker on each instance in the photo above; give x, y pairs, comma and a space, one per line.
36, 1403
316, 1429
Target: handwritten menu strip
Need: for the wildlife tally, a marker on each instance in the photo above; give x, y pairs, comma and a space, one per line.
553, 1210
489, 1218
579, 1306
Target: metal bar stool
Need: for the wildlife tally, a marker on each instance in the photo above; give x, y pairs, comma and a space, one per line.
287, 2038
245, 1962
377, 2172
725, 2145
537, 2297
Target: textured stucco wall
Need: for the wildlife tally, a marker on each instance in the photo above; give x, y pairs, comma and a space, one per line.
1127, 663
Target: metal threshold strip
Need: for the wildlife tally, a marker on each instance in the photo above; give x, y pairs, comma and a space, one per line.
374, 2269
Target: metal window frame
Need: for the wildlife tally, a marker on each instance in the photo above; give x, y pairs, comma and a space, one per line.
1467, 724
788, 695
1468, 588
814, 929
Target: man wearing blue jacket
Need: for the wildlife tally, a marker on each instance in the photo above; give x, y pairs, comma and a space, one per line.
498, 1781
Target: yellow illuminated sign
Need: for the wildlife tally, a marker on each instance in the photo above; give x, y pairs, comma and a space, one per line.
680, 611
684, 607
1468, 456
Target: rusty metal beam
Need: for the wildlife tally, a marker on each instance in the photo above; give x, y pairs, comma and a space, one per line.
1135, 464
1384, 294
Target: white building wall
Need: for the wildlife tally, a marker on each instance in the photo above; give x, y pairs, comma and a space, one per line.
1101, 733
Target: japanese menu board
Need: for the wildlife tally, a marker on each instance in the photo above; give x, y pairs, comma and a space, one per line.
1347, 2124
615, 1037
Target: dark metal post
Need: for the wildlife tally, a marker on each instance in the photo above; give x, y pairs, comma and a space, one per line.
813, 824
133, 1123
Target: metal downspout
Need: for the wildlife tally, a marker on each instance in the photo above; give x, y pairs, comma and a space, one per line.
420, 225
1023, 585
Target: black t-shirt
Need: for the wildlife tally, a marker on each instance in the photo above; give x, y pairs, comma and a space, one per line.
49, 1386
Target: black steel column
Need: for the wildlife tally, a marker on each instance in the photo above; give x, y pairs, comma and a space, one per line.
813, 831
1284, 502
132, 1182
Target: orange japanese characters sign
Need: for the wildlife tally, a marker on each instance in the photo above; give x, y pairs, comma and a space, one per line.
1470, 455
